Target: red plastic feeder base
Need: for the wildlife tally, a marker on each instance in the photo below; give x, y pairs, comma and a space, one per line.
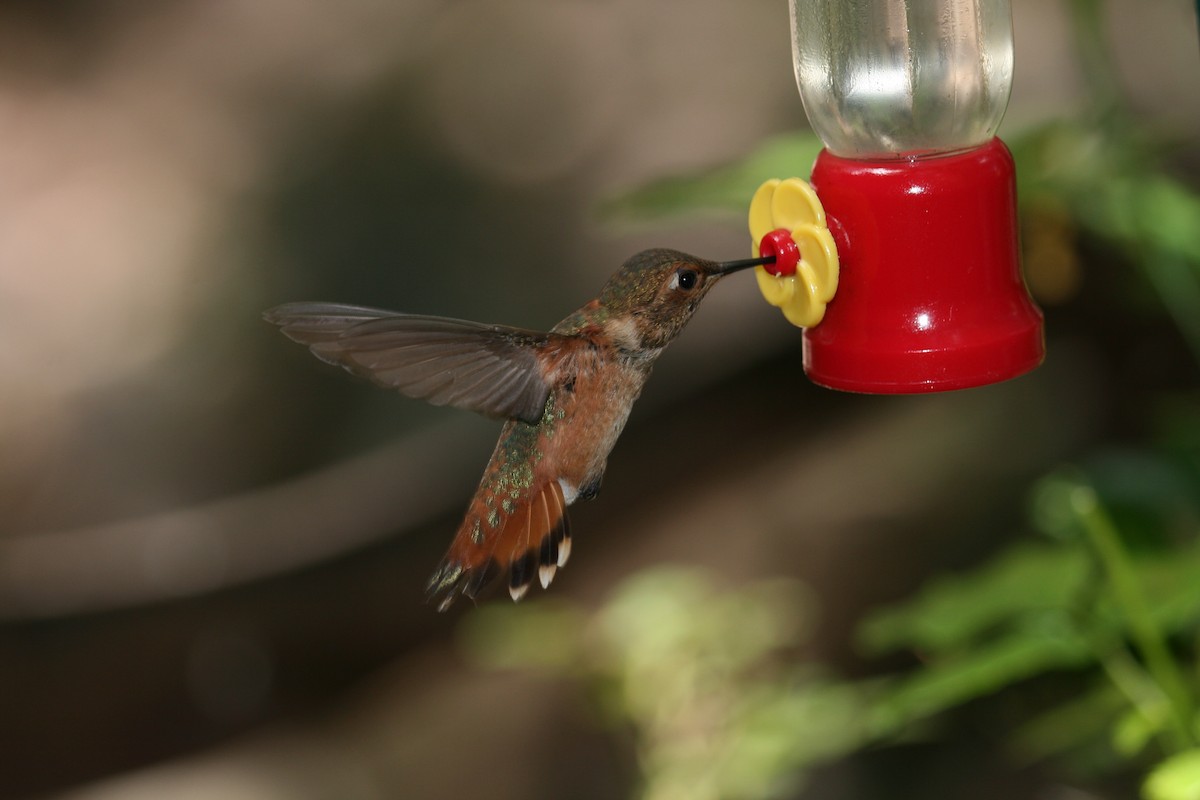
930, 296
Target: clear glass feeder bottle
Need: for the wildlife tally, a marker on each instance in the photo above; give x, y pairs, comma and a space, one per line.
886, 78
920, 196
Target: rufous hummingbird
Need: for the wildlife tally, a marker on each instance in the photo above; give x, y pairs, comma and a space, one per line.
565, 394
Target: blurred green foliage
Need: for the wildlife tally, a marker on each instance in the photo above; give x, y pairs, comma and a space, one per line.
1104, 587
700, 674
706, 675
1177, 778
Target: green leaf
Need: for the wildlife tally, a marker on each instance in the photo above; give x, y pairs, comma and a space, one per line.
724, 189
1134, 731
1168, 216
981, 671
1171, 584
1074, 724
951, 613
1177, 778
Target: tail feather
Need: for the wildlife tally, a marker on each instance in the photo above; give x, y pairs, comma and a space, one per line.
550, 549
521, 566
476, 582
533, 541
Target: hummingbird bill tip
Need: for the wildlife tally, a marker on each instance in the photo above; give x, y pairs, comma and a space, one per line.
726, 267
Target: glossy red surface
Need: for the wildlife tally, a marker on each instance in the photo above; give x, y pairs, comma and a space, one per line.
930, 296
780, 244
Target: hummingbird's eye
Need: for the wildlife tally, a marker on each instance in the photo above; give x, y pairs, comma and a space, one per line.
685, 279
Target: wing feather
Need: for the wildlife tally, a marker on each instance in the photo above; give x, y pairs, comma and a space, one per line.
490, 369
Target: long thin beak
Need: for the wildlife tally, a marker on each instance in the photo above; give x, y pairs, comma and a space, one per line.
726, 267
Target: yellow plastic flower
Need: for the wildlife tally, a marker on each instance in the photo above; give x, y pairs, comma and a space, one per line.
793, 206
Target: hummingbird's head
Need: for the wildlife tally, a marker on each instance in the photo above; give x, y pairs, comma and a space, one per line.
654, 294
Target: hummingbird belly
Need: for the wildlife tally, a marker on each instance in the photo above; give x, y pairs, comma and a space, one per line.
584, 422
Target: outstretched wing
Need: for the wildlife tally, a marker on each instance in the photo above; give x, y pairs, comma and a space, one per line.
490, 369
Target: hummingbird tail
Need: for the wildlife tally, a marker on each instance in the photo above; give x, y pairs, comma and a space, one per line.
532, 541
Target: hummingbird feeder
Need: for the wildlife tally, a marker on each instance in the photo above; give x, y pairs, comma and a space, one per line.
911, 216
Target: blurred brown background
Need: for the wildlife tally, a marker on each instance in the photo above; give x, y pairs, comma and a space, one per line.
212, 547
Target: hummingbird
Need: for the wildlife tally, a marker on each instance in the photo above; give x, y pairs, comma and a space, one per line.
565, 396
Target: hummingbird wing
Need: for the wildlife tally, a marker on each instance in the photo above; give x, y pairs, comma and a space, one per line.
490, 369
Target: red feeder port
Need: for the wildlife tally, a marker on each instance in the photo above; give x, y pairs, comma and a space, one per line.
780, 244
